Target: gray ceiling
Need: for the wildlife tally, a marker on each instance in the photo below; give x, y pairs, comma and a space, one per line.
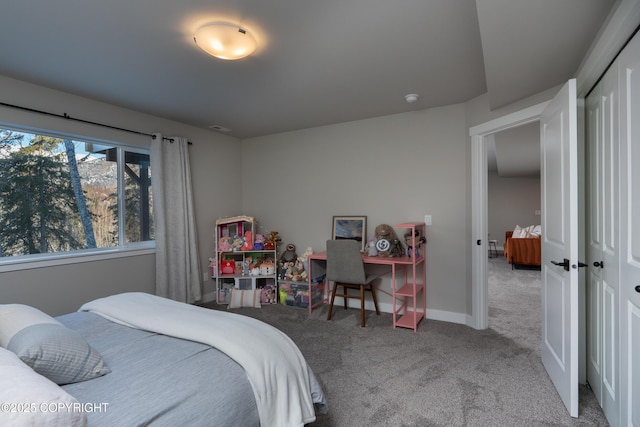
318, 62
515, 152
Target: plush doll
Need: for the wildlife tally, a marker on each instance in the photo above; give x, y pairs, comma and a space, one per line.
371, 246
224, 244
247, 242
258, 245
304, 258
299, 272
288, 270
420, 240
289, 255
236, 243
228, 266
268, 295
388, 244
267, 268
272, 241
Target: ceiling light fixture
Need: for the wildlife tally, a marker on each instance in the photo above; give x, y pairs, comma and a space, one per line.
225, 40
412, 97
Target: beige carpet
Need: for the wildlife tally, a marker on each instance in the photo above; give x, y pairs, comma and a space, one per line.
443, 375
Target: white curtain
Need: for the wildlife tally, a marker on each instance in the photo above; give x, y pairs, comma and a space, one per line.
177, 260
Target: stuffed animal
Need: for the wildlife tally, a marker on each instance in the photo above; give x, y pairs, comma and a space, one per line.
224, 244
247, 243
371, 246
304, 258
269, 295
388, 244
289, 255
267, 268
258, 245
228, 266
306, 253
299, 272
272, 241
420, 240
236, 243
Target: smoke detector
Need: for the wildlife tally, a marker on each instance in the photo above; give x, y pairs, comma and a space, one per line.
412, 97
219, 128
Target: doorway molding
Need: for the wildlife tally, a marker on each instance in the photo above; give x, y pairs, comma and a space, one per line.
479, 205
618, 29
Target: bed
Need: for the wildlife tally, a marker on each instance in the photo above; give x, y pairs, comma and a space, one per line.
523, 252
153, 362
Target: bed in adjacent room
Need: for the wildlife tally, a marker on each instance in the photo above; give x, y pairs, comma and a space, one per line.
146, 360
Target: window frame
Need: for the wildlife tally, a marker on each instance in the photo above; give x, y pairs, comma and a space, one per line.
123, 249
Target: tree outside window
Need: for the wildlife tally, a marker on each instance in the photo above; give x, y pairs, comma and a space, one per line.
61, 194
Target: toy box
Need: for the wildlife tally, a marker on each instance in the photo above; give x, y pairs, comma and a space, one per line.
296, 294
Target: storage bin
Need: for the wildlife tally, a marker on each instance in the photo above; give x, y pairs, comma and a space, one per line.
296, 294
247, 283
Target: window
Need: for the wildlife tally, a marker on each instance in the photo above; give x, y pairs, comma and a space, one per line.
59, 194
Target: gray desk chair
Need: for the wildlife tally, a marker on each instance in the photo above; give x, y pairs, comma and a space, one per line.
345, 268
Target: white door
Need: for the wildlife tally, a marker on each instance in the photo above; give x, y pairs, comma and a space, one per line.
559, 148
594, 241
604, 246
630, 234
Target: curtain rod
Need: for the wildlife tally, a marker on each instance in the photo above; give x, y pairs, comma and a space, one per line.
68, 117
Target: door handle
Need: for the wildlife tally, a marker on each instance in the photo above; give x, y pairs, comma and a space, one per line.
637, 288
580, 265
564, 264
599, 264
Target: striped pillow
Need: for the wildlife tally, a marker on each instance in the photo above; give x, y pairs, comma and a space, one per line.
245, 298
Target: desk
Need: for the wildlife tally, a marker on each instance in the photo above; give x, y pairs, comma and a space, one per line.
413, 285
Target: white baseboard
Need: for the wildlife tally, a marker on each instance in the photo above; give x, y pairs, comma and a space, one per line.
440, 315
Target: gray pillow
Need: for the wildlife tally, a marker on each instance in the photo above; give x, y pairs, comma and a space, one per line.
47, 346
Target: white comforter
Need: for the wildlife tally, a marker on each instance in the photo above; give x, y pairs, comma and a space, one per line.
273, 363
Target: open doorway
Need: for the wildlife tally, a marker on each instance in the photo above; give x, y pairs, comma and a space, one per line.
480, 136
513, 200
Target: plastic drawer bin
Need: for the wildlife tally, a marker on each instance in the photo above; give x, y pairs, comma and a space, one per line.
296, 294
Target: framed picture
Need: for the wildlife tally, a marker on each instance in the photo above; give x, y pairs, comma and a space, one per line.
350, 227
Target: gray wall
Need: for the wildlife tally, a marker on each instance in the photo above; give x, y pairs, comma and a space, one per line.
512, 201
214, 160
392, 169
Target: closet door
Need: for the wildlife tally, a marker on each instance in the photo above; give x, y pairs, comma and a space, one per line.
603, 258
594, 242
630, 236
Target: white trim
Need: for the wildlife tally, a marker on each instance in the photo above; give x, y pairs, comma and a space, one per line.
479, 286
385, 307
54, 259
615, 32
527, 115
447, 316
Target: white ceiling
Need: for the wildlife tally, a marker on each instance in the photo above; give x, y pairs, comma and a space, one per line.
318, 62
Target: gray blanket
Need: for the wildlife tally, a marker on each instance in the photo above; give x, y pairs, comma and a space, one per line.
159, 380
